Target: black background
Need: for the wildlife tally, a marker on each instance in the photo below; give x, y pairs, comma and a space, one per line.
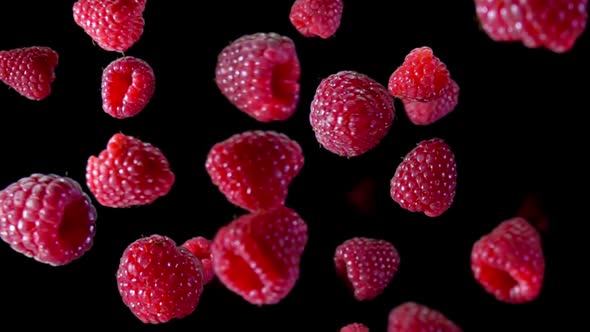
513, 133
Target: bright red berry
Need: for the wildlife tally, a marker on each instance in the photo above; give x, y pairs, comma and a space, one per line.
30, 71
128, 84
115, 25
159, 281
48, 218
259, 74
426, 113
496, 19
201, 248
421, 77
366, 265
509, 261
351, 113
128, 173
414, 317
257, 255
426, 179
354, 327
316, 17
254, 169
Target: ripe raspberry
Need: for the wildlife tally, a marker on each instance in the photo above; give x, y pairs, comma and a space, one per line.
316, 17
159, 281
414, 317
201, 248
425, 181
354, 327
351, 113
257, 255
555, 25
421, 77
509, 261
48, 218
128, 173
115, 25
254, 169
366, 265
259, 74
30, 71
128, 84
426, 113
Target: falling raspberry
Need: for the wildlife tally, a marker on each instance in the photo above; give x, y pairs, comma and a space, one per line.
415, 317
354, 327
316, 17
30, 71
201, 248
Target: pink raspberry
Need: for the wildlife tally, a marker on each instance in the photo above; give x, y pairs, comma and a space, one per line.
354, 327
426, 113
509, 261
159, 281
351, 113
426, 180
48, 218
115, 25
421, 77
254, 169
259, 74
201, 248
414, 317
366, 265
30, 71
316, 17
128, 84
496, 19
257, 255
128, 173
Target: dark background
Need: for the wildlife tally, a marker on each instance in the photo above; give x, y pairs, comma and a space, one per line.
515, 132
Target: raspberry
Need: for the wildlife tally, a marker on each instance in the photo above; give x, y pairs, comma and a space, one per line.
259, 74
425, 181
48, 218
414, 317
354, 327
509, 261
426, 113
115, 25
351, 113
254, 169
366, 265
421, 77
316, 17
257, 255
201, 248
555, 25
128, 84
159, 281
128, 173
30, 71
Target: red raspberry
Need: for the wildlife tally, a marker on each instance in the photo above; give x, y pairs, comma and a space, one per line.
354, 327
159, 281
366, 265
425, 181
316, 17
555, 25
414, 317
509, 262
128, 173
128, 84
201, 248
115, 25
254, 169
351, 113
48, 218
421, 77
259, 74
426, 113
30, 71
257, 255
